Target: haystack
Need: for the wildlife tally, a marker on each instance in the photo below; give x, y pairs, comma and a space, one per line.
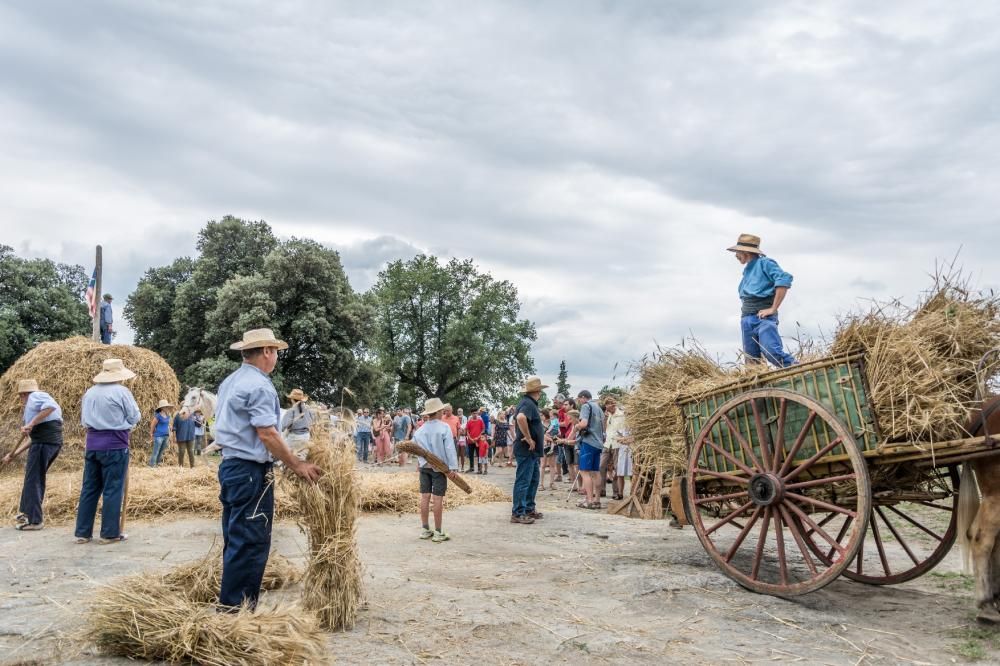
66, 369
328, 514
201, 579
173, 617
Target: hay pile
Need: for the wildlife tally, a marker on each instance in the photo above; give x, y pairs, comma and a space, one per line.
921, 366
166, 492
922, 361
66, 368
202, 579
328, 512
173, 617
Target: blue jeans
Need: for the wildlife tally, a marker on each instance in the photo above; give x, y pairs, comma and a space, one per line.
525, 484
105, 335
363, 440
40, 458
247, 496
103, 478
761, 338
159, 447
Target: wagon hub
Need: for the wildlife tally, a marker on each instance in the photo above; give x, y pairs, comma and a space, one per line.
766, 489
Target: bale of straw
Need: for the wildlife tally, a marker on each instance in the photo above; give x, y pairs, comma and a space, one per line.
433, 461
168, 492
65, 369
145, 617
328, 514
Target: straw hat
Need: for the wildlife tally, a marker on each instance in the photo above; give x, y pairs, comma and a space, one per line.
297, 395
532, 384
113, 370
433, 406
747, 243
259, 337
27, 386
163, 404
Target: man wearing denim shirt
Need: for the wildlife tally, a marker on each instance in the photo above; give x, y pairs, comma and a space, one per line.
762, 290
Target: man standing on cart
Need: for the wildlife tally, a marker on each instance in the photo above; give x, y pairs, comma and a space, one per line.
762, 291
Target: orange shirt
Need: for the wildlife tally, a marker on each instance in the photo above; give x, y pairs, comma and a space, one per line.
453, 423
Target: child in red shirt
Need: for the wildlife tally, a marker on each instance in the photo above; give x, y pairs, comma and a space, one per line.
475, 429
484, 454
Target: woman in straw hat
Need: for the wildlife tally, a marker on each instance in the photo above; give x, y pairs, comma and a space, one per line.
159, 431
42, 428
109, 412
436, 438
246, 430
762, 291
296, 422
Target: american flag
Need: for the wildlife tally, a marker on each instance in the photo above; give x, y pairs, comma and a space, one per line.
91, 295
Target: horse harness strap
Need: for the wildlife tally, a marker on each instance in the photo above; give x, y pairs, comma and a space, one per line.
984, 416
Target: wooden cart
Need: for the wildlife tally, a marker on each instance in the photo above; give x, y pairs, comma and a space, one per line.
789, 484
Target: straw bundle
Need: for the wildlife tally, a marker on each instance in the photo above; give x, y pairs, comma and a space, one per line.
146, 617
167, 492
66, 368
433, 461
328, 513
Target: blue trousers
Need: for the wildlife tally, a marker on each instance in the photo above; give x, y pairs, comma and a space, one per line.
761, 339
525, 484
105, 335
103, 479
363, 441
247, 496
40, 458
159, 447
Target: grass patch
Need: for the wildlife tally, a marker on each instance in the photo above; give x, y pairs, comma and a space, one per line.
954, 581
975, 642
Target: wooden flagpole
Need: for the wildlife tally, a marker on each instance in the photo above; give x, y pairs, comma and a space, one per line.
98, 297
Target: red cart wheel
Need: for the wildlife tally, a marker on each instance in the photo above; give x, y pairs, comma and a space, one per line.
911, 527
762, 543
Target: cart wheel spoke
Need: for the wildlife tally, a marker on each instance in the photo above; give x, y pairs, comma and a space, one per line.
913, 522
728, 519
779, 443
819, 503
760, 544
816, 456
762, 437
878, 544
721, 498
744, 444
725, 454
741, 537
896, 535
815, 528
799, 541
779, 538
720, 475
799, 440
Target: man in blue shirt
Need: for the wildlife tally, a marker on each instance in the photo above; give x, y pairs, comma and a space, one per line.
106, 320
246, 430
529, 440
42, 428
762, 291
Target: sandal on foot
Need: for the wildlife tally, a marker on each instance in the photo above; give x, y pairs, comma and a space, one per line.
583, 504
594, 505
82, 540
117, 539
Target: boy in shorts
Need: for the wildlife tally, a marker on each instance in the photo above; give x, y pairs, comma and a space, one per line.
435, 436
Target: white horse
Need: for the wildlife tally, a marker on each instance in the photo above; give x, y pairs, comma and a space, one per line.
199, 398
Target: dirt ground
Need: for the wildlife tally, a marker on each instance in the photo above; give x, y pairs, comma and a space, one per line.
578, 587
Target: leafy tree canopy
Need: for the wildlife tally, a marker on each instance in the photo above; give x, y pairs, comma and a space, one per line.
450, 330
191, 311
39, 300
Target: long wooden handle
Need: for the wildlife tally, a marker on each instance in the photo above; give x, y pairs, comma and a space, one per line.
121, 519
433, 460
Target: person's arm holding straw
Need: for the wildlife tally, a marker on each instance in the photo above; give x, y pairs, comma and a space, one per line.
274, 443
21, 447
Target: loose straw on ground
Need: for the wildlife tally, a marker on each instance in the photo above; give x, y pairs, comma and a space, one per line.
434, 461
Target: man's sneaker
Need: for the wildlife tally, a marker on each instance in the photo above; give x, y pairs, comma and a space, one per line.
439, 537
426, 534
523, 520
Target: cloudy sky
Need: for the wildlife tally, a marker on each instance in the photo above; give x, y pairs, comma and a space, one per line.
600, 155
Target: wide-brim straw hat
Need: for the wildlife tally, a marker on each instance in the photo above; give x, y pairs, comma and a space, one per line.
113, 370
163, 404
259, 337
532, 384
297, 395
433, 406
27, 386
747, 243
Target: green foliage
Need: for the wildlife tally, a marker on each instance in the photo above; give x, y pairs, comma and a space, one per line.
562, 381
615, 391
450, 330
245, 278
39, 300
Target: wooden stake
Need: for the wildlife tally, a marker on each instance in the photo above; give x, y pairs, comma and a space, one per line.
98, 296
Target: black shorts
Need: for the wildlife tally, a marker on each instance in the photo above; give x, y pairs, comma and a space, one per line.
569, 450
433, 482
